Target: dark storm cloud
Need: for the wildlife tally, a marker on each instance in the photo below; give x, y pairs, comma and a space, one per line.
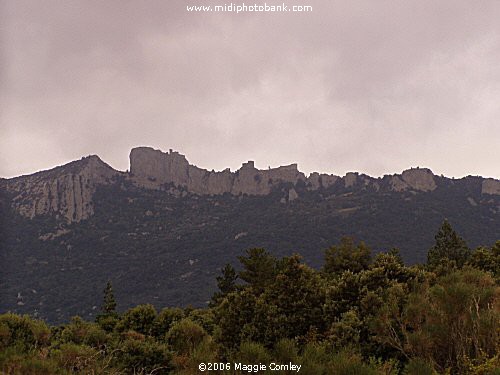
375, 86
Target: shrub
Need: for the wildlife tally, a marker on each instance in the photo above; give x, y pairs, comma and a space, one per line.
144, 356
140, 319
74, 357
82, 332
23, 332
163, 322
252, 352
185, 336
418, 366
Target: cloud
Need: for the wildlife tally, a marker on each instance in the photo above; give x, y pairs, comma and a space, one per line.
375, 87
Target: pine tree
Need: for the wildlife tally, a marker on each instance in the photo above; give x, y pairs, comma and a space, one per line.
109, 302
226, 284
450, 250
259, 268
487, 259
347, 257
108, 316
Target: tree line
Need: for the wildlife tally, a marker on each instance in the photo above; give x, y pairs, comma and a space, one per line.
359, 314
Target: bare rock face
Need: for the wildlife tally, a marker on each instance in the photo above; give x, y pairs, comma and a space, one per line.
202, 181
318, 180
151, 168
66, 191
252, 181
159, 167
491, 186
420, 179
397, 184
350, 179
292, 195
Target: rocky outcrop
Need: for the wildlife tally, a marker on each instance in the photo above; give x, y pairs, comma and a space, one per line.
491, 186
65, 191
151, 167
421, 179
159, 167
321, 180
292, 195
350, 179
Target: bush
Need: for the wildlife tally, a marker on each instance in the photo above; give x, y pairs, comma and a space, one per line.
346, 331
23, 332
418, 366
204, 317
24, 364
140, 319
314, 359
185, 336
163, 322
143, 356
253, 353
82, 332
74, 357
345, 363
285, 351
205, 352
107, 322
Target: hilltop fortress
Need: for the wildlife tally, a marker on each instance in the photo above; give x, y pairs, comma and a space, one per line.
151, 167
67, 190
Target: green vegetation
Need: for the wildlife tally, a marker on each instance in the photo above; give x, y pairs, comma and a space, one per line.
166, 247
359, 314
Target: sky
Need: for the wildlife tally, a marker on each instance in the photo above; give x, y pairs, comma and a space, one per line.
370, 86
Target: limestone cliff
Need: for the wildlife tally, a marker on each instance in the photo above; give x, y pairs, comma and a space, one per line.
65, 191
318, 180
421, 179
417, 179
491, 186
151, 168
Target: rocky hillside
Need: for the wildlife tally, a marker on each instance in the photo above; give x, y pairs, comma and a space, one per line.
67, 191
162, 231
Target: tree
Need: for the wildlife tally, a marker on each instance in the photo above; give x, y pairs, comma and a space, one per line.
295, 299
143, 356
487, 259
109, 302
108, 317
23, 332
233, 316
140, 318
347, 257
449, 251
185, 335
165, 319
289, 307
226, 284
259, 268
448, 324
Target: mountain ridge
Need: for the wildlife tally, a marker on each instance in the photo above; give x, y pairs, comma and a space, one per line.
67, 190
66, 231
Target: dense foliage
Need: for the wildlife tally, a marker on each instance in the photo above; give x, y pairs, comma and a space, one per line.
359, 314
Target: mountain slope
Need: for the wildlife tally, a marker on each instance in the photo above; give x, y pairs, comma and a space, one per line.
162, 241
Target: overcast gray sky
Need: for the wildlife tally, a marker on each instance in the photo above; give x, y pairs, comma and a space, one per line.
369, 86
